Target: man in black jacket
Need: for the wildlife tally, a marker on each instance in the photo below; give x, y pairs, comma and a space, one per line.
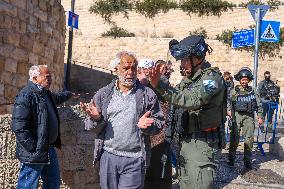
269, 93
35, 123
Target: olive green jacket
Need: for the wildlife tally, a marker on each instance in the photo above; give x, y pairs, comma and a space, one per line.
203, 94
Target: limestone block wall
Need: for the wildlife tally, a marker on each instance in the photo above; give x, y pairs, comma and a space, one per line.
31, 32
99, 51
176, 22
90, 48
75, 157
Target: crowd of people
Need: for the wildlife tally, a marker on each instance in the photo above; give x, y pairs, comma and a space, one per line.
139, 115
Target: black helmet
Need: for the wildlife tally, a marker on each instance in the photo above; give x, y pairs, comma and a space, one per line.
190, 46
244, 72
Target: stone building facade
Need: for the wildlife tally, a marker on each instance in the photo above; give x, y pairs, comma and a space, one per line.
152, 37
31, 32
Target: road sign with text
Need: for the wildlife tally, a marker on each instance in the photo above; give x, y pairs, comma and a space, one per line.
243, 38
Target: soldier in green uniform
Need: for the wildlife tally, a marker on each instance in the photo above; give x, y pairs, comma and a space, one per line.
202, 94
245, 102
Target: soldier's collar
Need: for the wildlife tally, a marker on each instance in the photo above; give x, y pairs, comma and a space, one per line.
196, 74
240, 88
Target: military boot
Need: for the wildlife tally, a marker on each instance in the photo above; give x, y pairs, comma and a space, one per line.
231, 162
248, 165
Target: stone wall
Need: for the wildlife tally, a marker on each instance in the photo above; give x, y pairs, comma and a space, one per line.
99, 52
75, 157
88, 79
31, 32
90, 48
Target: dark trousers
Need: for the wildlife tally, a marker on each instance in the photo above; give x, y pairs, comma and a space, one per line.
154, 178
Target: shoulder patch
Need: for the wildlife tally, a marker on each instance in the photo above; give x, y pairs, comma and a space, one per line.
210, 84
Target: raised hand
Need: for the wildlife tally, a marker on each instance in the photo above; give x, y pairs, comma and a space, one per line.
145, 121
91, 110
158, 70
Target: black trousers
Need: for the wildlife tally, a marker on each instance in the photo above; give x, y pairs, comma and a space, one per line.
153, 178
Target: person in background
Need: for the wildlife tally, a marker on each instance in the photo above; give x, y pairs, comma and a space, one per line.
159, 172
144, 69
269, 93
35, 122
245, 103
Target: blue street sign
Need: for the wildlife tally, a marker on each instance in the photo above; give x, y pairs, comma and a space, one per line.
243, 38
73, 20
270, 31
253, 8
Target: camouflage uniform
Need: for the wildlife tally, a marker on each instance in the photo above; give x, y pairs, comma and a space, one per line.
244, 120
202, 97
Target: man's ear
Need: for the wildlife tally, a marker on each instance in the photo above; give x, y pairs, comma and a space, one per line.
35, 79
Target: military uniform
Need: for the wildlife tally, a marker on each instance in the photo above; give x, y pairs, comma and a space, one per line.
245, 102
202, 96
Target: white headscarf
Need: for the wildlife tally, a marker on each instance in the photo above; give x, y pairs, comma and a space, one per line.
146, 63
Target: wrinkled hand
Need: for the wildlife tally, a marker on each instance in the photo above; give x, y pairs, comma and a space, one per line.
91, 110
260, 121
145, 121
158, 70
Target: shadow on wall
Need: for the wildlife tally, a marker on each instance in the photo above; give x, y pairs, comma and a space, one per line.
88, 80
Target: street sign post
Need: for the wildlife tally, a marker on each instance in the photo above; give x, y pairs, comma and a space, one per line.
270, 31
73, 22
243, 38
257, 12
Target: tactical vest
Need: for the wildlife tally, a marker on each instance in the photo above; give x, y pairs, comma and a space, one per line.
245, 102
269, 91
210, 115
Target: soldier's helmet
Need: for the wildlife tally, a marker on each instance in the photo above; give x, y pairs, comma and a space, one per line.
244, 72
193, 45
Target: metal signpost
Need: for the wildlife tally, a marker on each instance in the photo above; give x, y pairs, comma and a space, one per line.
257, 12
73, 23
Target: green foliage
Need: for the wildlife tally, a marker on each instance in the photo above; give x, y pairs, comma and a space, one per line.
206, 7
116, 31
199, 31
150, 8
107, 8
265, 48
274, 4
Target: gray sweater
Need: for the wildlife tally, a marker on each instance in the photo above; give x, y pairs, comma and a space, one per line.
146, 100
122, 134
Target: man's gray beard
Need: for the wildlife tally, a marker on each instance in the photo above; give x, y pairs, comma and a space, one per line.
127, 82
